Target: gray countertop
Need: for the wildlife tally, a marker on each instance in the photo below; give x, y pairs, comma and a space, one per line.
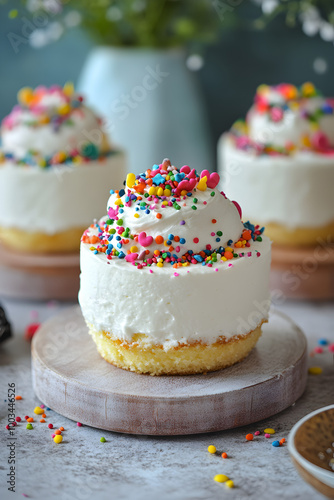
142, 467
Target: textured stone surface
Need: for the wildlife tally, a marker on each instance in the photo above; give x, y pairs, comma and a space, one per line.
139, 467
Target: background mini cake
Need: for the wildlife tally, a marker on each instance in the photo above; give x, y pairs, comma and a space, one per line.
55, 168
279, 163
172, 281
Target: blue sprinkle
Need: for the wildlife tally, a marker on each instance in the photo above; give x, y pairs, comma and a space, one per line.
322, 342
229, 243
189, 194
121, 192
155, 167
127, 198
175, 256
275, 443
96, 252
182, 241
179, 176
158, 179
137, 208
169, 242
121, 255
118, 238
121, 210
198, 258
112, 191
119, 245
147, 211
217, 240
171, 236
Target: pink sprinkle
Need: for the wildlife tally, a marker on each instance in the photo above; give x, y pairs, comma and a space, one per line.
52, 436
230, 265
42, 406
216, 269
176, 274
205, 202
79, 424
267, 435
331, 348
318, 350
177, 249
249, 254
212, 234
257, 433
151, 271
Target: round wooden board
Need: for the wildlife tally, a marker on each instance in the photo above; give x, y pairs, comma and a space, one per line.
303, 272
70, 377
39, 276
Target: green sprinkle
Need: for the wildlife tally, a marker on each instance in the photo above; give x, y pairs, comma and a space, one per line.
112, 231
176, 206
195, 200
194, 208
143, 203
219, 233
109, 222
13, 13
146, 195
168, 187
235, 255
213, 193
259, 238
164, 255
172, 178
29, 426
119, 222
103, 439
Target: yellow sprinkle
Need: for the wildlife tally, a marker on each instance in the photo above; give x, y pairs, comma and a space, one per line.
38, 410
224, 259
136, 215
160, 191
315, 370
212, 449
306, 141
92, 248
167, 177
118, 201
25, 95
308, 89
228, 249
164, 203
262, 89
184, 192
160, 264
44, 120
64, 110
269, 431
314, 126
152, 191
229, 483
201, 186
77, 159
68, 88
130, 180
134, 249
167, 192
58, 439
220, 478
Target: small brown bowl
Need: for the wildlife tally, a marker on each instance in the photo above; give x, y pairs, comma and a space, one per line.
311, 446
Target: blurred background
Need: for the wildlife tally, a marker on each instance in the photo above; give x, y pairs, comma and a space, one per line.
230, 47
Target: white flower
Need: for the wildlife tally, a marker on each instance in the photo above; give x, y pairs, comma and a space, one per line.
311, 27
327, 31
114, 14
268, 6
38, 38
194, 62
72, 19
55, 30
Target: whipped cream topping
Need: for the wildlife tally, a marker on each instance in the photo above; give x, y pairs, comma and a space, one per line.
154, 265
285, 119
49, 121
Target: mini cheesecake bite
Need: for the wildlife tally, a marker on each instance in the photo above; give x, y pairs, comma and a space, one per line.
56, 164
279, 163
172, 280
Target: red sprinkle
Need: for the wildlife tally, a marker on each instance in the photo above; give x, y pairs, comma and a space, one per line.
50, 426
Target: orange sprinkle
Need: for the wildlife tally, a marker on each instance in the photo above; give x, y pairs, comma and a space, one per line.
42, 420
156, 252
176, 238
249, 437
282, 441
246, 235
43, 416
18, 398
170, 249
224, 455
61, 428
159, 239
58, 432
158, 216
30, 419
228, 255
213, 221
